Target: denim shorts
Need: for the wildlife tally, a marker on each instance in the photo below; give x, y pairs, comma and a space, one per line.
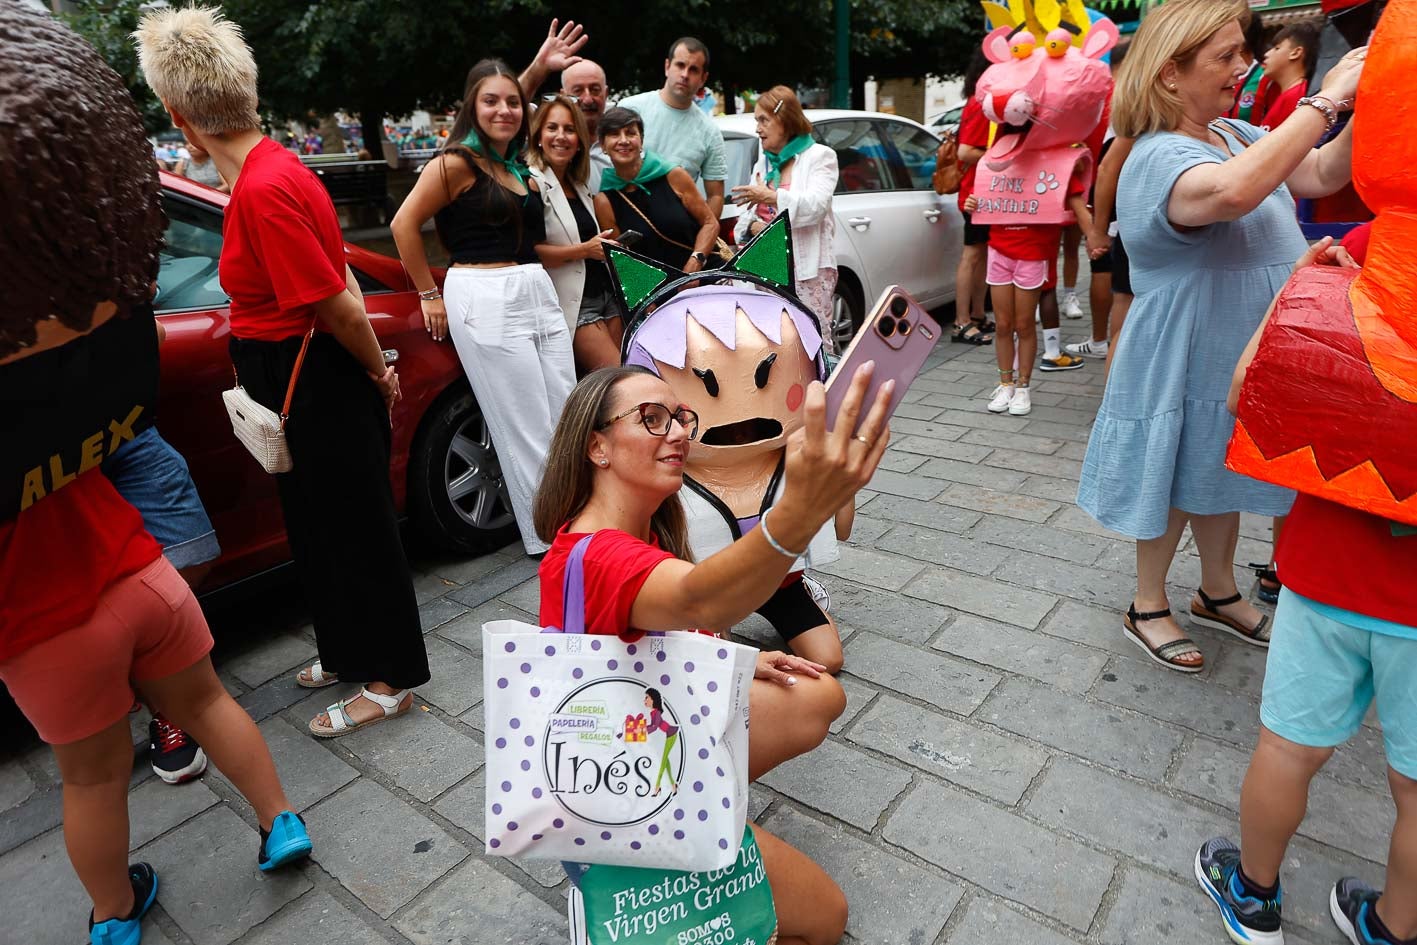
1322, 673
154, 479
597, 308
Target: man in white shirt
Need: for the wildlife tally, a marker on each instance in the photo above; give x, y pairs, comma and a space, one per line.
676, 129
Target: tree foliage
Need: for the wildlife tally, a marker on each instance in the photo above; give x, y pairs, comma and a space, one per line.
108, 26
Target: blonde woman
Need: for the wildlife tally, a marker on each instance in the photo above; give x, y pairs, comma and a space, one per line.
578, 224
1206, 209
795, 174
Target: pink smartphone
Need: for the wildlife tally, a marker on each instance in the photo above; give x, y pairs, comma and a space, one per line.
898, 335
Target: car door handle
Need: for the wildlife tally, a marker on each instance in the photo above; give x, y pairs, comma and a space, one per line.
932, 215
862, 222
390, 355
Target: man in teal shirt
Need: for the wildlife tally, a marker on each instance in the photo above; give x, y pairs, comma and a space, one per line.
676, 129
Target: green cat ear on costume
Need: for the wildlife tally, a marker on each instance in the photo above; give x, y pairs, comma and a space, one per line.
768, 255
636, 276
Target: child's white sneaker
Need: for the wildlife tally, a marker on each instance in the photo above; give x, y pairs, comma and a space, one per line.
1003, 396
1020, 403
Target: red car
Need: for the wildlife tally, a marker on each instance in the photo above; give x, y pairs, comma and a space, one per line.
445, 473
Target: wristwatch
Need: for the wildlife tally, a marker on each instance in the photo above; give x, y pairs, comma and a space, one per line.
702, 258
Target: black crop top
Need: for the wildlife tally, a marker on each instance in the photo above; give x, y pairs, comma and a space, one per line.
483, 225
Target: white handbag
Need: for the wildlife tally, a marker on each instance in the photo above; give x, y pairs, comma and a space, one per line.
259, 428
601, 751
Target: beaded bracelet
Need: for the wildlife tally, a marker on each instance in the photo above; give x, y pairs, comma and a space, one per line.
773, 543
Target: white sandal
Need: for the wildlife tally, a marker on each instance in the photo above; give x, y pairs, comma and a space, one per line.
319, 679
341, 723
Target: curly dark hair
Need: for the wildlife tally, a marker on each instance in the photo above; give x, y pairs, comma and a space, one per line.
78, 178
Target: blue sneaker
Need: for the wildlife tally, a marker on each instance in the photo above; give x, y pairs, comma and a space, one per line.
1351, 904
128, 931
286, 842
1248, 920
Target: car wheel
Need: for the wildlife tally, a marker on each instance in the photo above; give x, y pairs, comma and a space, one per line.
846, 313
457, 497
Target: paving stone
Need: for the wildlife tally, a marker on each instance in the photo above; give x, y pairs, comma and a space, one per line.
960, 752
904, 426
1035, 463
429, 587
1339, 814
890, 901
1151, 908
1069, 433
898, 462
1188, 702
1045, 415
1241, 667
1039, 539
855, 607
316, 917
943, 449
462, 571
942, 518
981, 596
759, 798
872, 567
909, 485
1361, 760
206, 866
308, 771
44, 810
1119, 739
1002, 852
456, 685
38, 874
1094, 626
1000, 503
1308, 875
1075, 519
272, 697
841, 782
16, 786
496, 582
466, 631
1080, 582
480, 906
988, 921
422, 754
281, 654
466, 807
379, 849
1026, 652
952, 551
865, 529
993, 435
946, 393
1073, 450
155, 807
858, 696
939, 680
952, 470
917, 411
525, 596
439, 611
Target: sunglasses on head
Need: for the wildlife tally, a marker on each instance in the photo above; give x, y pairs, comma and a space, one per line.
657, 417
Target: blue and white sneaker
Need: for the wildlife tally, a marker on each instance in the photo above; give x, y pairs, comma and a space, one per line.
286, 842
1350, 904
1248, 920
128, 931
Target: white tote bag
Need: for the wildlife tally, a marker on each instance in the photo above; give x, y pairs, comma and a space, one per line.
601, 751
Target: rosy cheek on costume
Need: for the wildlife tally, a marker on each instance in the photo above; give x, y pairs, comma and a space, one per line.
794, 398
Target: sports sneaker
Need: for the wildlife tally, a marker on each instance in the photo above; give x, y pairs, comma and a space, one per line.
1087, 349
1352, 903
176, 757
286, 842
1002, 395
820, 595
128, 931
1248, 921
1070, 306
1063, 362
1020, 403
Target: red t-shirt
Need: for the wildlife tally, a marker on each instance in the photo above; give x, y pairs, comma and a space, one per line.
616, 566
282, 250
1037, 241
974, 132
58, 555
1283, 106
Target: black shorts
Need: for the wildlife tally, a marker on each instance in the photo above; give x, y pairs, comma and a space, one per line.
1121, 267
1101, 265
792, 612
975, 234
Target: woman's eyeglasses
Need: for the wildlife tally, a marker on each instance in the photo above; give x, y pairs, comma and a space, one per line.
656, 418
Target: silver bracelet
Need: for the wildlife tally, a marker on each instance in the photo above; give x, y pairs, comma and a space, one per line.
773, 543
1322, 103
430, 295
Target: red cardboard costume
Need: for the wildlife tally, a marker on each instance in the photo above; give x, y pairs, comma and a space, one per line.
1047, 92
1329, 404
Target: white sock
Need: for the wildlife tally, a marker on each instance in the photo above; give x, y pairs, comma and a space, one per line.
1051, 339
1070, 290
1015, 355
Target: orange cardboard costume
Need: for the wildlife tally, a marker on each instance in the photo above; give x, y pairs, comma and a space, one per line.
1329, 404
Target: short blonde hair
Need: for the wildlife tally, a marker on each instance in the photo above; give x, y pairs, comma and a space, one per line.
200, 66
781, 101
1173, 32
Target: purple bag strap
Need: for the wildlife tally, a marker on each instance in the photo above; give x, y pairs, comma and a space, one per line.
573, 589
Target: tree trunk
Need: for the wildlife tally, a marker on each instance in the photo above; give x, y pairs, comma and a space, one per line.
371, 122
730, 103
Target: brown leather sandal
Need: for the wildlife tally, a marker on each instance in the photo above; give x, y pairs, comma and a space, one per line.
1205, 611
1167, 653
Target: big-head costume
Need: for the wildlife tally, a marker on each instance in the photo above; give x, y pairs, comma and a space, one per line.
1329, 404
1047, 92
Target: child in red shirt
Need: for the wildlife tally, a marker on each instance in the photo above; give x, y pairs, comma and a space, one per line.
1288, 65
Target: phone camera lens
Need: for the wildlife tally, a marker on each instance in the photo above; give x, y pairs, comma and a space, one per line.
886, 326
903, 328
898, 306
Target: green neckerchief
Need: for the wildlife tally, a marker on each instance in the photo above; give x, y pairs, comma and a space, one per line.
653, 167
789, 151
513, 166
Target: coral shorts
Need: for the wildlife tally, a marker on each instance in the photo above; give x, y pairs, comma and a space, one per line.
1024, 273
146, 626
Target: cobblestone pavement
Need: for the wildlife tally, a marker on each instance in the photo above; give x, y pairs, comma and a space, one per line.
1009, 769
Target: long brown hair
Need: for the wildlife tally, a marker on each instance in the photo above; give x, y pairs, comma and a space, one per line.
567, 483
579, 171
465, 124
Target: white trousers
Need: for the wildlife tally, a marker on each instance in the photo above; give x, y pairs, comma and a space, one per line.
513, 343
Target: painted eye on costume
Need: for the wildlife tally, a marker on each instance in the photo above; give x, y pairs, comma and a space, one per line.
710, 382
760, 376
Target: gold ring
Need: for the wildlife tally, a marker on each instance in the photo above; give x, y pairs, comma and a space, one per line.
863, 439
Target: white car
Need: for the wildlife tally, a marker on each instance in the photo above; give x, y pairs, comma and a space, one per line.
891, 226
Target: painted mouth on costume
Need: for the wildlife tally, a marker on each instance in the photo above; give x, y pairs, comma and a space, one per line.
742, 433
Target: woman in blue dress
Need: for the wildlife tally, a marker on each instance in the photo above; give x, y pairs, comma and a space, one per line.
1206, 207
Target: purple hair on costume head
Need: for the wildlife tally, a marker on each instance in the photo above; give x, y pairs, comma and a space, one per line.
663, 335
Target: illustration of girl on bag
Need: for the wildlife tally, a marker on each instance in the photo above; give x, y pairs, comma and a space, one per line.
655, 704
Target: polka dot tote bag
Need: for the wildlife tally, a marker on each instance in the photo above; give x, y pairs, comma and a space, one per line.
601, 751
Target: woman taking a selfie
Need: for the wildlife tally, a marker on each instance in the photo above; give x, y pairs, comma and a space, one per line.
577, 226
614, 471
